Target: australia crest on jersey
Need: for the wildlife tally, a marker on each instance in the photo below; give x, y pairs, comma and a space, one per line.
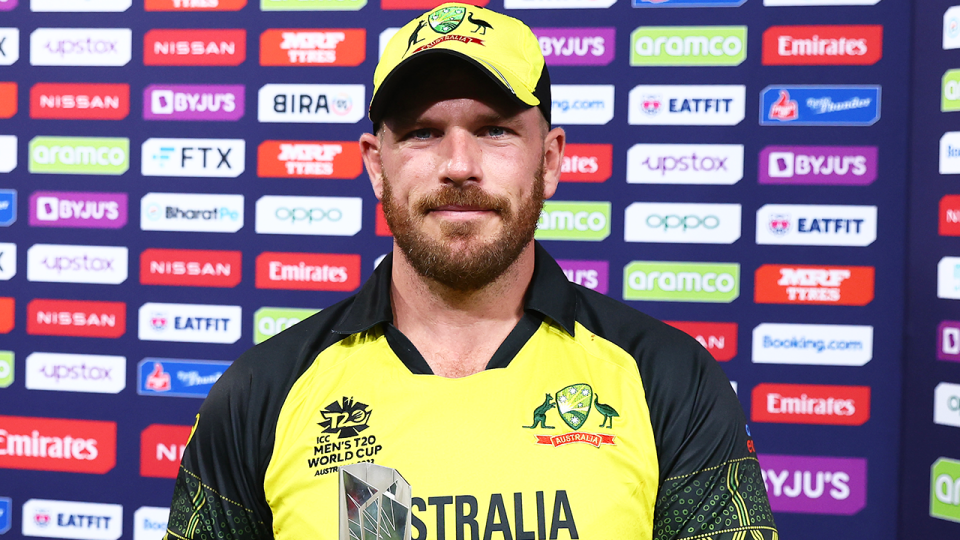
574, 404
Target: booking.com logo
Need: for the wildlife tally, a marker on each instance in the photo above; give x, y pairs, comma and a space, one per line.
687, 222
818, 345
310, 215
578, 104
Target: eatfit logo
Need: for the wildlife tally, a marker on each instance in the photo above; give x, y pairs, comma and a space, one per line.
194, 102
76, 318
681, 281
190, 267
308, 271
810, 284
57, 263
812, 344
79, 155
76, 373
811, 404
196, 212
688, 46
309, 159
80, 101
818, 165
574, 220
194, 47
326, 216
210, 158
313, 47
190, 323
311, 103
687, 105
80, 47
720, 164
682, 223
82, 209
718, 338
815, 485
577, 46
76, 520
57, 444
816, 225
582, 104
860, 45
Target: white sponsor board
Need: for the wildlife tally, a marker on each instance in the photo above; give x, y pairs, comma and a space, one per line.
385, 37
76, 373
312, 103
948, 278
682, 223
812, 344
59, 263
150, 523
717, 164
950, 153
8, 260
951, 28
777, 3
327, 216
213, 158
581, 104
9, 46
80, 5
816, 225
73, 520
687, 105
192, 323
946, 404
8, 153
80, 47
557, 4
197, 212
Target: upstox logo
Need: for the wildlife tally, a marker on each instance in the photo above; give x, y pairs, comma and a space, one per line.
79, 155
945, 489
270, 321
688, 46
681, 281
574, 220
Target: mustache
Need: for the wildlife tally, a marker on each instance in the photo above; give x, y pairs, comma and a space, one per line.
470, 195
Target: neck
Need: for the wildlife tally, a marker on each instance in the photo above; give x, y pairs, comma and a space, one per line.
457, 332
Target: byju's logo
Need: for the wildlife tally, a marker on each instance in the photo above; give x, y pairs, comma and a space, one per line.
193, 5
582, 104
815, 485
812, 344
687, 105
682, 223
190, 267
198, 212
681, 281
82, 6
82, 446
574, 220
57, 263
199, 102
8, 265
948, 341
313, 47
150, 522
311, 103
76, 373
308, 271
8, 153
719, 339
720, 164
819, 105
68, 519
309, 159
945, 489
860, 45
191, 323
82, 209
194, 47
594, 275
268, 321
80, 101
811, 404
8, 207
816, 225
688, 46
807, 284
80, 47
312, 5
178, 378
210, 158
576, 46
950, 153
79, 155
326, 216
587, 163
812, 165
9, 46
161, 449
946, 404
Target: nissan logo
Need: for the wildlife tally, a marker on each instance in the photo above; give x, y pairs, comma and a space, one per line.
309, 215
656, 221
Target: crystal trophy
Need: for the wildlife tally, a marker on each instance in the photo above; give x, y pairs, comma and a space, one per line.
374, 503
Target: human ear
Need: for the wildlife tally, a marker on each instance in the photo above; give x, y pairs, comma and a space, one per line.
370, 151
553, 145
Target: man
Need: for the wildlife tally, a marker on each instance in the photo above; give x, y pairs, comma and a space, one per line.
517, 405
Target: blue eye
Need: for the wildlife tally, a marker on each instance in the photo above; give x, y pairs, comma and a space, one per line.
421, 134
496, 131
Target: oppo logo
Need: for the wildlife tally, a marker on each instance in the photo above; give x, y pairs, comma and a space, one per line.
309, 215
682, 223
687, 222
329, 216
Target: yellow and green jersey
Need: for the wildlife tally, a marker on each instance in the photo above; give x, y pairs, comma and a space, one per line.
591, 421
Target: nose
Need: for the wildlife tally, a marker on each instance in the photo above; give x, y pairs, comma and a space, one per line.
461, 157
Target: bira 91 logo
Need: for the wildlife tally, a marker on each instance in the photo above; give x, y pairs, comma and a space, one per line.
949, 215
587, 163
270, 321
190, 267
210, 158
815, 485
79, 155
194, 47
313, 47
945, 489
56, 444
818, 165
80, 209
81, 47
807, 284
178, 378
819, 105
594, 275
161, 449
948, 341
80, 101
577, 46
825, 45
194, 5
681, 281
194, 102
309, 159
574, 220
688, 46
76, 318
811, 404
816, 225
312, 5
687, 105
75, 520
308, 271
719, 339
311, 103
189, 323
719, 164
582, 104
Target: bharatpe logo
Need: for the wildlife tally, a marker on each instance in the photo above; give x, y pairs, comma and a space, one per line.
818, 165
950, 96
79, 155
687, 105
8, 153
311, 103
688, 46
574, 220
581, 104
860, 45
577, 46
80, 47
189, 323
951, 28
68, 519
812, 344
945, 489
8, 269
205, 158
194, 102
815, 485
309, 159
681, 281
819, 105
557, 4
946, 404
178, 378
312, 5
950, 153
76, 373
816, 225
313, 47
270, 321
56, 263
197, 212
81, 209
8, 207
948, 278
80, 101
80, 5
325, 216
948, 344
594, 275
682, 223
719, 164
150, 522
9, 46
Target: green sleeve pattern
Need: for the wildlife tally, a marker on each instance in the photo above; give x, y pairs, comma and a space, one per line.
198, 512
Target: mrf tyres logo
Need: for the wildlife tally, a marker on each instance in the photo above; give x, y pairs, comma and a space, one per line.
194, 5
816, 225
309, 159
824, 45
57, 444
79, 155
687, 105
945, 489
809, 284
576, 46
574, 220
818, 165
717, 164
811, 404
311, 103
815, 485
341, 440
688, 46
573, 405
313, 47
681, 281
812, 105
205, 158
682, 223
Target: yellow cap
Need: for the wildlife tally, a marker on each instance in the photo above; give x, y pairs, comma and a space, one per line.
502, 47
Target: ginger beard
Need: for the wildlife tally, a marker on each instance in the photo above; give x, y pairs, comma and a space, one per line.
477, 263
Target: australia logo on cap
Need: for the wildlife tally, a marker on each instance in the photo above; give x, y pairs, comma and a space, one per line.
446, 20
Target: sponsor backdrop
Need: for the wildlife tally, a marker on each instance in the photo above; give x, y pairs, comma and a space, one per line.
179, 179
